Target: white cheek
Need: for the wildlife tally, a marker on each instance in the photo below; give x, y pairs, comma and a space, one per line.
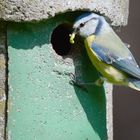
87, 30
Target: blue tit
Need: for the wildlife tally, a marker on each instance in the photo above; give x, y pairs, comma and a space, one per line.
110, 56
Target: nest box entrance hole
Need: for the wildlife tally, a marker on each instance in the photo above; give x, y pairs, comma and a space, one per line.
60, 39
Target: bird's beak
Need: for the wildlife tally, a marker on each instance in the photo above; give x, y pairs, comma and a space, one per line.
91, 38
72, 37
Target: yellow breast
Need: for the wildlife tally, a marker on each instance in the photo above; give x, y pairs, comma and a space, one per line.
112, 74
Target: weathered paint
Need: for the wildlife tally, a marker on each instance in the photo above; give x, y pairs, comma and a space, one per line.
42, 103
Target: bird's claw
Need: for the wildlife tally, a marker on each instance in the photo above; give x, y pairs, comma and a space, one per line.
74, 82
73, 79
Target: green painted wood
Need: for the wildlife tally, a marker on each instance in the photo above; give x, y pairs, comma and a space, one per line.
42, 103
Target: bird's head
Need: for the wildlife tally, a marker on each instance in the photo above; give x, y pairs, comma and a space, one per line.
86, 25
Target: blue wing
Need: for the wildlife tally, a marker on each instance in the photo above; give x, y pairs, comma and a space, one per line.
126, 64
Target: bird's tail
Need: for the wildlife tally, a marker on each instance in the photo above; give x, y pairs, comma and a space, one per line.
135, 84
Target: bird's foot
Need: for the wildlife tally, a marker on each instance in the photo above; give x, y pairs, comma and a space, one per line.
82, 85
77, 83
100, 81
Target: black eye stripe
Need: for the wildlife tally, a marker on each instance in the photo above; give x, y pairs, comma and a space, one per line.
82, 24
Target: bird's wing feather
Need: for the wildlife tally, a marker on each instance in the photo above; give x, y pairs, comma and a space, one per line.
125, 64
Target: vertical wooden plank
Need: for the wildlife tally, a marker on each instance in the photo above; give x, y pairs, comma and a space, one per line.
2, 78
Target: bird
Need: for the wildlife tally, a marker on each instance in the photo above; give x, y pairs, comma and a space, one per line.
106, 51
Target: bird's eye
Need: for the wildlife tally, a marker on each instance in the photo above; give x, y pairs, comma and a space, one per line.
82, 24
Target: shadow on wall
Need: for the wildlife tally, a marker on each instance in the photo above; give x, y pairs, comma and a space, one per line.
93, 101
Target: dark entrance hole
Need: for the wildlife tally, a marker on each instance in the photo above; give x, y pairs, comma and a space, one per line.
60, 39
